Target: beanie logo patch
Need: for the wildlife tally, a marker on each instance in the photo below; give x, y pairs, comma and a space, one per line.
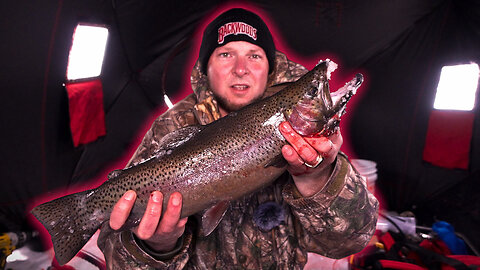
235, 28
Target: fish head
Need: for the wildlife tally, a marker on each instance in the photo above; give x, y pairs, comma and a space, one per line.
319, 111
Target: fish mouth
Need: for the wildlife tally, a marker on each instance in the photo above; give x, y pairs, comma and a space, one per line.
349, 88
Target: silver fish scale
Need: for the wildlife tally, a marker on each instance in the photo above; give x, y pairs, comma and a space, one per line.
219, 149
223, 150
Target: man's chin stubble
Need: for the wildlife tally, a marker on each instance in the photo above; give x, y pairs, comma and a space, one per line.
229, 107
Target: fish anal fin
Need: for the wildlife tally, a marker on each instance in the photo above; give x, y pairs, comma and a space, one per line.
212, 216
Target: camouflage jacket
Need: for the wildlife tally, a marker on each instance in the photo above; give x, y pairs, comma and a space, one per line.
336, 222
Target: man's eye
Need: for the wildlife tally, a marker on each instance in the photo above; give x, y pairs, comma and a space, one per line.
256, 56
224, 54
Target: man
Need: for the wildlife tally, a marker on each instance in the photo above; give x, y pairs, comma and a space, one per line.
324, 205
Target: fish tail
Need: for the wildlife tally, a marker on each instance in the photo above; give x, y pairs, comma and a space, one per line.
70, 221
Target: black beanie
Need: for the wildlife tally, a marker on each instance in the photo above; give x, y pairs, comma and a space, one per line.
236, 25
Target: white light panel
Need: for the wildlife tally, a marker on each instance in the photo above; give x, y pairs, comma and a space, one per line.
457, 87
167, 101
86, 55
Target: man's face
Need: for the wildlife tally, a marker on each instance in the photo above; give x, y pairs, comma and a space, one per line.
238, 74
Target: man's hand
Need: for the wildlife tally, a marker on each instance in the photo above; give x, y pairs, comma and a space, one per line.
160, 234
309, 150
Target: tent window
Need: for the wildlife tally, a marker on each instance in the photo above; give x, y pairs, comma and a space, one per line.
457, 87
86, 55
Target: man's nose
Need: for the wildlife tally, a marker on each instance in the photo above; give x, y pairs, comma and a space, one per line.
240, 68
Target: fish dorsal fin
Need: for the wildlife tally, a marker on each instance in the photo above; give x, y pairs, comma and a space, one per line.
212, 216
114, 174
175, 139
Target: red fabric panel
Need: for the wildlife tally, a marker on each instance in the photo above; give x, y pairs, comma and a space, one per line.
470, 260
387, 240
400, 265
87, 118
447, 143
436, 245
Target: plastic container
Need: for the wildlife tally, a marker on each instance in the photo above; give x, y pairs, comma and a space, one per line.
406, 224
368, 170
316, 262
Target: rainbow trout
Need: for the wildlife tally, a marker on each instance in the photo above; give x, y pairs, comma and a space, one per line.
209, 165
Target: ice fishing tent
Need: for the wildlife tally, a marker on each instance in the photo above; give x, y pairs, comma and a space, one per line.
400, 46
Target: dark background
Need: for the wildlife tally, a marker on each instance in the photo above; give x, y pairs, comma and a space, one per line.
400, 46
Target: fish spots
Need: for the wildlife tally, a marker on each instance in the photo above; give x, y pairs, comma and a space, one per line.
224, 151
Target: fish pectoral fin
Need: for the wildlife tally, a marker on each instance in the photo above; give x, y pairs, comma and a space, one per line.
212, 216
278, 162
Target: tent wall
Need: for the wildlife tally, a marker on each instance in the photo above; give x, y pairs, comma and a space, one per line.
400, 46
